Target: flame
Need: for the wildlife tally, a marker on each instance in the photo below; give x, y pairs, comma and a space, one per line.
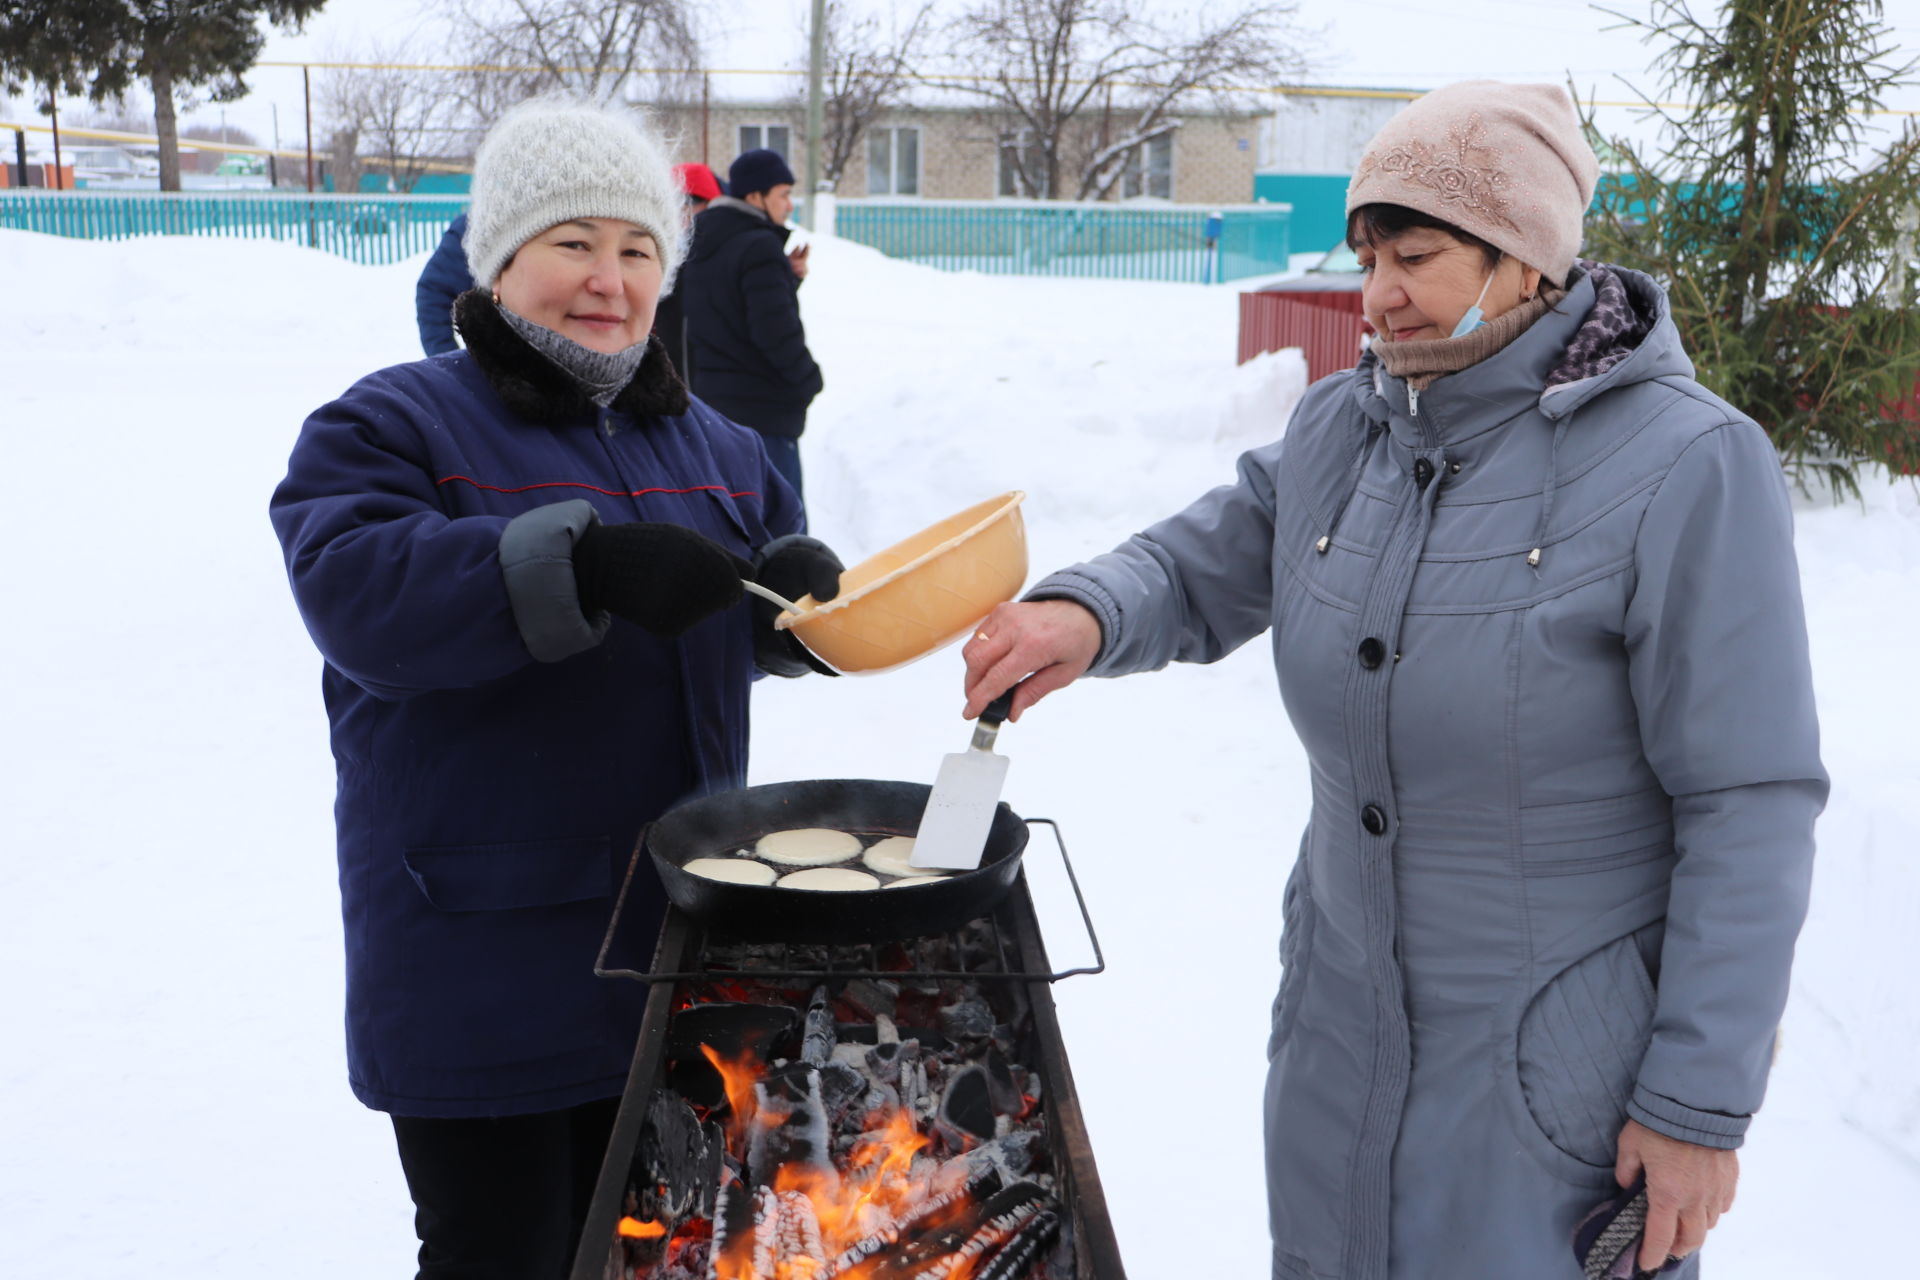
851, 1207
873, 1188
881, 1160
738, 1075
634, 1229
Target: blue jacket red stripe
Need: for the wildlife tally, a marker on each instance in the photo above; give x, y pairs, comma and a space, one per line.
488, 800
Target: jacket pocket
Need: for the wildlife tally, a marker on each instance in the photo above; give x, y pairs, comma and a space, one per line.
501, 877
1296, 943
492, 992
1581, 1041
741, 517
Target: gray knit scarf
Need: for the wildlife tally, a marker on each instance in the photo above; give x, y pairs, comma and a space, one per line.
1611, 332
600, 375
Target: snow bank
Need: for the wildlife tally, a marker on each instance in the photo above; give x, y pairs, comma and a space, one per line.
175, 1097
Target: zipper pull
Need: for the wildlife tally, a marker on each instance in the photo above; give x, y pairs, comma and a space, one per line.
1413, 402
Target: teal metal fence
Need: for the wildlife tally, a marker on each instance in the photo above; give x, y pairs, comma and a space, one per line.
367, 229
1063, 238
1009, 237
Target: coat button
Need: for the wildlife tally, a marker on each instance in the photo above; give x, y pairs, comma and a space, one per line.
1422, 473
1374, 819
1372, 653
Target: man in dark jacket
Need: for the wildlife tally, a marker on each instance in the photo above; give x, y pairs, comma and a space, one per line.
444, 279
740, 292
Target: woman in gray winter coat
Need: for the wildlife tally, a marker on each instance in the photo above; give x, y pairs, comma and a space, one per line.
1537, 622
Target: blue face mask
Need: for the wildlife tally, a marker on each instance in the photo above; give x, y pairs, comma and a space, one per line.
1474, 317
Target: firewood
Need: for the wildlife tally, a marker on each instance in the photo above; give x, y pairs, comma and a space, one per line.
922, 1217
1001, 1219
1017, 1256
817, 1040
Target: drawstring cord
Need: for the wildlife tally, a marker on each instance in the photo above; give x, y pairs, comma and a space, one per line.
1354, 472
1547, 493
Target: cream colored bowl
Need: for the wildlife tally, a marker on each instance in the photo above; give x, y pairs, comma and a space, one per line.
921, 594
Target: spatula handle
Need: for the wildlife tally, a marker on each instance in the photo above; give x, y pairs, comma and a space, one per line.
999, 709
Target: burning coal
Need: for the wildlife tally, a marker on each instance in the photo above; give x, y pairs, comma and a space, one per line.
881, 1132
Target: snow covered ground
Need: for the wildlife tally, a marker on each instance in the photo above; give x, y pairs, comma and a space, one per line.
173, 1101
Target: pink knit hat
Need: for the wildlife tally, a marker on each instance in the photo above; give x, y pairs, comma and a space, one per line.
1507, 162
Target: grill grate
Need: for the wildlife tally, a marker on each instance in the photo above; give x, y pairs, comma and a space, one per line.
1015, 942
794, 962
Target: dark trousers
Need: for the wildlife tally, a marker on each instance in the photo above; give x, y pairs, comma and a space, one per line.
779, 427
502, 1198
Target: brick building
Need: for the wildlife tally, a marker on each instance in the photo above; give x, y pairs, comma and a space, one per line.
953, 152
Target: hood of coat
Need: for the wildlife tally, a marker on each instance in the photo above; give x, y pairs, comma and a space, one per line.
1518, 377
725, 219
540, 391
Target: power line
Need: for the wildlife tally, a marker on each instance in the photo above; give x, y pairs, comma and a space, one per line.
953, 79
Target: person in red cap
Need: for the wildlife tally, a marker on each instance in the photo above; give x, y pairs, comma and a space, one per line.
669, 317
699, 183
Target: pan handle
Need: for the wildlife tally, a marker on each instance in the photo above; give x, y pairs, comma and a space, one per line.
1086, 919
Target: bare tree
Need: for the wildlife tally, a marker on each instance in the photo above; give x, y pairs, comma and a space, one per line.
590, 47
388, 111
867, 69
125, 114
1078, 86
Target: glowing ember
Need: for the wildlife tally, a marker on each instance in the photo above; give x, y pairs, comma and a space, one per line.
634, 1229
848, 1158
812, 1216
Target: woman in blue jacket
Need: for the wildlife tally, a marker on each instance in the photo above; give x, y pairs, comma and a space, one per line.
523, 566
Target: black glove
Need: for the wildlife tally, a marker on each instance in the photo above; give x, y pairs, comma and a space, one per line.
665, 577
793, 566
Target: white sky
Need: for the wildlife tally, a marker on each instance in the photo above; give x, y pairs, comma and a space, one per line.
1389, 43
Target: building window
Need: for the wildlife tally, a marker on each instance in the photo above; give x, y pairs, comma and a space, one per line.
774, 137
1016, 146
893, 162
1149, 169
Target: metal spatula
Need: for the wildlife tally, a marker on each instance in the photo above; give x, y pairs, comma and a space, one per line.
953, 830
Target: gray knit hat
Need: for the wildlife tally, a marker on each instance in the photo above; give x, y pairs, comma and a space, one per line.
1507, 162
553, 159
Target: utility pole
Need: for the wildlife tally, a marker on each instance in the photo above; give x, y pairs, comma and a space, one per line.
53, 109
306, 84
306, 81
814, 58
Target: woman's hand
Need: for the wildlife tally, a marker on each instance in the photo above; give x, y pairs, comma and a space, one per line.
664, 577
1054, 641
1688, 1188
792, 566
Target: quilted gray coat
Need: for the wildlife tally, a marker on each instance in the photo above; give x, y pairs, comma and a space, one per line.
1563, 802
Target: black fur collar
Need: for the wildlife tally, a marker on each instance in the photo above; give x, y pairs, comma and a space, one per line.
534, 388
